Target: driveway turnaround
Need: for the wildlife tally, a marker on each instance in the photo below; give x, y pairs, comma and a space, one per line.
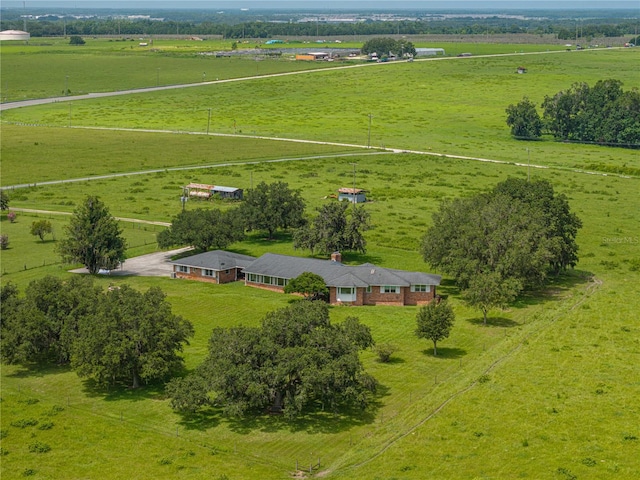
151, 265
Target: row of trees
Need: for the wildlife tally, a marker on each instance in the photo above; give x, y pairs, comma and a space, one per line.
269, 208
118, 335
498, 244
240, 27
604, 114
387, 46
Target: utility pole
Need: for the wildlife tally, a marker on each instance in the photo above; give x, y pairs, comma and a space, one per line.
369, 135
354, 183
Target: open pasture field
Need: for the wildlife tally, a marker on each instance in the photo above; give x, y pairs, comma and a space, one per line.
107, 64
557, 368
453, 106
79, 153
546, 391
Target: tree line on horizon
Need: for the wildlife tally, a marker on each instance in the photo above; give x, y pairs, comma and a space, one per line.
239, 27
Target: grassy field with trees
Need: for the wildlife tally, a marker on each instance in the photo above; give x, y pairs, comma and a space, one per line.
546, 390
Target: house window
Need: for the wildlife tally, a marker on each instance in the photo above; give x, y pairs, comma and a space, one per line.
346, 294
208, 273
227, 272
183, 269
389, 289
420, 288
369, 289
266, 280
281, 282
253, 278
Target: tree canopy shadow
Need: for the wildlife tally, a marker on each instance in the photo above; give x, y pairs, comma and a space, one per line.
122, 391
24, 370
393, 360
312, 420
360, 258
446, 353
554, 289
448, 287
494, 322
201, 420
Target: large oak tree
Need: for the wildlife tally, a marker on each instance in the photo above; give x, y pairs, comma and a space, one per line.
271, 207
203, 229
295, 360
337, 227
132, 336
499, 243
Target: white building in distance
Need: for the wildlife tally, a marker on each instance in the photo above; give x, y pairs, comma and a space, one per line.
14, 35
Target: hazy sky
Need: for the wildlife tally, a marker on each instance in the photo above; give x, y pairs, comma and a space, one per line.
331, 4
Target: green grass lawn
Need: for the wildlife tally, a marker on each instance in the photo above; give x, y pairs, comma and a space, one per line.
107, 64
547, 390
454, 106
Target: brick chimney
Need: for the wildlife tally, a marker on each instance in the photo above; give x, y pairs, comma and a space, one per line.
336, 257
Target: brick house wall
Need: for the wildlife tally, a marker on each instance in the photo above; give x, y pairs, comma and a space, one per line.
273, 288
378, 298
226, 276
196, 274
419, 298
405, 297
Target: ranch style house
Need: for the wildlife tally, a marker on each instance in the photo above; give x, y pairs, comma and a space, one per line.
365, 284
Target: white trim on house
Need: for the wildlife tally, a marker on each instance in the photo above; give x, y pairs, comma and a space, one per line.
420, 288
389, 289
346, 294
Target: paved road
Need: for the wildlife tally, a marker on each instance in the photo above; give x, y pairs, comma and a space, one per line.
71, 98
151, 265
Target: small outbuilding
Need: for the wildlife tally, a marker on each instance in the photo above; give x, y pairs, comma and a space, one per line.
230, 193
521, 70
202, 190
312, 56
352, 195
430, 51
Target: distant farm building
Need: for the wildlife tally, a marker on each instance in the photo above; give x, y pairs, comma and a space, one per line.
312, 56
201, 190
352, 195
14, 35
522, 70
430, 51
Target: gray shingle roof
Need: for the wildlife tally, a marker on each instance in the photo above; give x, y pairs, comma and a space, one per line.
336, 274
216, 260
